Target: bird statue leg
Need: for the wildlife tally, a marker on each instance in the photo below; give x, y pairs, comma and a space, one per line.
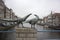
22, 25
26, 17
34, 26
31, 25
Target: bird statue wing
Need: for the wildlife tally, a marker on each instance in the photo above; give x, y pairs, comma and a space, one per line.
26, 16
31, 20
36, 16
27, 21
21, 19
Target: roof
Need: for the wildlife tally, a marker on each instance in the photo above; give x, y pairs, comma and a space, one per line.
56, 14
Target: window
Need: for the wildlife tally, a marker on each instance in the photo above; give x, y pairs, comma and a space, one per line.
1, 7
1, 14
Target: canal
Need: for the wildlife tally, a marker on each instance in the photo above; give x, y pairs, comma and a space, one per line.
48, 35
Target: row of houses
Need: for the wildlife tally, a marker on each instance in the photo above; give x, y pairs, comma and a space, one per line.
52, 19
5, 12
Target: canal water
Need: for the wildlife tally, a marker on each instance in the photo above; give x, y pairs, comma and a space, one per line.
47, 35
42, 35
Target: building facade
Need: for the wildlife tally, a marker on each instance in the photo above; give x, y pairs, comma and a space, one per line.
53, 19
45, 19
5, 12
2, 5
10, 14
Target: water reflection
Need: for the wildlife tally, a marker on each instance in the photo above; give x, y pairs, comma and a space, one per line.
45, 35
42, 35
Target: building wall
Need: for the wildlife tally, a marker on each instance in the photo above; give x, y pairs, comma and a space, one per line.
45, 19
5, 12
53, 19
13, 16
1, 9
11, 13
57, 20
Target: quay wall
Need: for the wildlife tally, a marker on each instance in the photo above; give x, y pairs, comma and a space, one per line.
26, 34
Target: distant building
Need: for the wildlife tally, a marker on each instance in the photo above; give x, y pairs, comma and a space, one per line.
12, 14
5, 12
2, 5
53, 19
45, 19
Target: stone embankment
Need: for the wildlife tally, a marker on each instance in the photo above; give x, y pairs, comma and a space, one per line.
26, 34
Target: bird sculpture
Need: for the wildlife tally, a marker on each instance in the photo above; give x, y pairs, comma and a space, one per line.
7, 24
33, 21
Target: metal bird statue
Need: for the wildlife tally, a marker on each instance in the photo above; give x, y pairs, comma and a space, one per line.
7, 24
33, 21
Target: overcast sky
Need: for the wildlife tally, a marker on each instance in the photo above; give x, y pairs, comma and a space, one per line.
39, 7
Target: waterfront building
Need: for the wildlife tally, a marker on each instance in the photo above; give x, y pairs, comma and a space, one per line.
45, 19
5, 12
52, 19
2, 5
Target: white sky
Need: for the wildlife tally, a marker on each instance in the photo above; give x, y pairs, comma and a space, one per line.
39, 7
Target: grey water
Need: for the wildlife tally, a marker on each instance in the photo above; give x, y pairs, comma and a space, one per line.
45, 35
